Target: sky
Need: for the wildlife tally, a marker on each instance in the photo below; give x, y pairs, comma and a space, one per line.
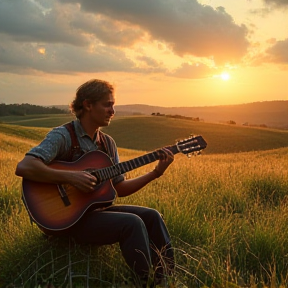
169, 53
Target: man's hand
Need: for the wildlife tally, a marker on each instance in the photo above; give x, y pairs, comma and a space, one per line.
166, 158
83, 181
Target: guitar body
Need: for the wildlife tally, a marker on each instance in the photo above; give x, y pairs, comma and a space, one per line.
50, 211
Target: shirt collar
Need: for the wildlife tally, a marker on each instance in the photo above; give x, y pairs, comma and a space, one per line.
79, 129
81, 132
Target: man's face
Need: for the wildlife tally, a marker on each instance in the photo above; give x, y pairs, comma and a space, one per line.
102, 111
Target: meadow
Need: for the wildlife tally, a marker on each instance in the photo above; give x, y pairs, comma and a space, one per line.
226, 209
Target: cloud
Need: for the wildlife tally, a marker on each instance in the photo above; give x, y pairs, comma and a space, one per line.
29, 21
22, 57
110, 32
69, 36
26, 22
195, 71
278, 53
269, 6
277, 3
153, 64
187, 26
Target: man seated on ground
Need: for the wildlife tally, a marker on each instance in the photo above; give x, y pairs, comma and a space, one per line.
140, 231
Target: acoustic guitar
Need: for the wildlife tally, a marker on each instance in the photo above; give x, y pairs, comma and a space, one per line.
57, 207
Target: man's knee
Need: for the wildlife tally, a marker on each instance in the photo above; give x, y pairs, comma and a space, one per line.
135, 224
152, 215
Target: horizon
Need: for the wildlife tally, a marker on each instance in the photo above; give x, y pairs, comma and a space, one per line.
246, 103
142, 104
215, 55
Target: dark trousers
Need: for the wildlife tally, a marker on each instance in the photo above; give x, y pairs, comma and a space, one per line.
140, 231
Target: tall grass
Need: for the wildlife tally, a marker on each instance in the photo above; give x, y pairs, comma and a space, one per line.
227, 215
232, 208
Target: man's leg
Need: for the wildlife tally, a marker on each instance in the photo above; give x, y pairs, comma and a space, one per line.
109, 227
160, 243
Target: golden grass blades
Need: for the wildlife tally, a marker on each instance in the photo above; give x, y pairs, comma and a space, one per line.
227, 215
210, 203
42, 120
33, 133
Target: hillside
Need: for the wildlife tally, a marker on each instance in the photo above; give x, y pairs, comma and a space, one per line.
150, 132
147, 133
273, 114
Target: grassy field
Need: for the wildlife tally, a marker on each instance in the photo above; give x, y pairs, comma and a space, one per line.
147, 133
37, 120
226, 210
151, 132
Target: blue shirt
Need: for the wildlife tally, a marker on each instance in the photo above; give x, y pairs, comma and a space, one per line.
57, 146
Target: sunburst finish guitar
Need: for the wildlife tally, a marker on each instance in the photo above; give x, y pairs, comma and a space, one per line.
57, 207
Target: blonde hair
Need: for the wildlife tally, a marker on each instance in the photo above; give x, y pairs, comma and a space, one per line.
93, 90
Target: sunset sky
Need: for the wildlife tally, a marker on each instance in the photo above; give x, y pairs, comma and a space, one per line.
157, 52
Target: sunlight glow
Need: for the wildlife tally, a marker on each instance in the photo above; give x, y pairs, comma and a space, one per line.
42, 51
225, 76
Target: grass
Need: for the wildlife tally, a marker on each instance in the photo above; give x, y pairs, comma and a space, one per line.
146, 133
49, 120
151, 132
226, 213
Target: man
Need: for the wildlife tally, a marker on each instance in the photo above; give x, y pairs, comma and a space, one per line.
140, 231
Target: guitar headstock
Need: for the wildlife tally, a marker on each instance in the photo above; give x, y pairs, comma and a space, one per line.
191, 145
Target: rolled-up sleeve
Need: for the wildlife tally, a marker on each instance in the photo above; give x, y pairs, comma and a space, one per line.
54, 146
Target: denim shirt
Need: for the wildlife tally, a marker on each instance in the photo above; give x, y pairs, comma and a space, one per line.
57, 146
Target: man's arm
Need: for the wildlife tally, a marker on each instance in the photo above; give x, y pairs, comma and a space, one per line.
128, 187
34, 169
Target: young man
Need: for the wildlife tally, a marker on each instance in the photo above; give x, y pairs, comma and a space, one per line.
140, 231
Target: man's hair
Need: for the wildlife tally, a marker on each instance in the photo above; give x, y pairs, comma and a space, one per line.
93, 90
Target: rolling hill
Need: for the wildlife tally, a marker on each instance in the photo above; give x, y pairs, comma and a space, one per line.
273, 114
147, 133
151, 132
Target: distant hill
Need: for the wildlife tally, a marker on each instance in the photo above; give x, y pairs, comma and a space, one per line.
273, 114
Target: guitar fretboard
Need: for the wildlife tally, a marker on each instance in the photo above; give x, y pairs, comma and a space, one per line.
110, 172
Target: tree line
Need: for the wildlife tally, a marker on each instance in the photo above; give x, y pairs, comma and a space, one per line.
27, 109
177, 116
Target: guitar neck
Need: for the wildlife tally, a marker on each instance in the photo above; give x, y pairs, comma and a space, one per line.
110, 172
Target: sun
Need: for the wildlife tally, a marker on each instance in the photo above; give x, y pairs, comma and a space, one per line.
225, 76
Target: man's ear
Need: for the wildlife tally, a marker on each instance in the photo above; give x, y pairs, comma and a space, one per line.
86, 105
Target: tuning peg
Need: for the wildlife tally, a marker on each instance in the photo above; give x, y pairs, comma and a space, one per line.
194, 153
